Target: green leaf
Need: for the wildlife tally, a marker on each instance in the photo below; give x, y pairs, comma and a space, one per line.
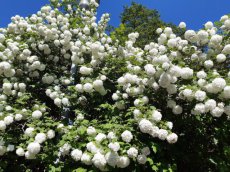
81, 170
154, 148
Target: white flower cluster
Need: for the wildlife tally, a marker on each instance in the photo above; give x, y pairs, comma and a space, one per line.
95, 153
55, 68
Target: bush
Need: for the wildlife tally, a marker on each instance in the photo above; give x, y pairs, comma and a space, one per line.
123, 107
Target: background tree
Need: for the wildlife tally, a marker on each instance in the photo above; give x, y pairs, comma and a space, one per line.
138, 18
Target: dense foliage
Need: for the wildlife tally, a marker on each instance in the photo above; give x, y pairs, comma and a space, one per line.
156, 108
138, 18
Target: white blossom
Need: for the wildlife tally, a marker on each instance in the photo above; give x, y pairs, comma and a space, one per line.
141, 159
132, 152
123, 162
127, 136
172, 138
20, 152
114, 146
34, 148
76, 154
2, 125
37, 114
99, 160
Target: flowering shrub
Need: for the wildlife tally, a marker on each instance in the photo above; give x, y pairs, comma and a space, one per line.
70, 95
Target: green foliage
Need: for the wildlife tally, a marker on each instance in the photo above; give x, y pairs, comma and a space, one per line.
120, 34
138, 18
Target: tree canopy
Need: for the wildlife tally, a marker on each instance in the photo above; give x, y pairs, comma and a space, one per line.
138, 18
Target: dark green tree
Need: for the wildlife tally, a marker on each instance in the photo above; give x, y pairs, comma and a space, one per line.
138, 18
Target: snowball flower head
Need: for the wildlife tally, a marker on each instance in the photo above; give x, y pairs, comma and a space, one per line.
20, 152
208, 64
29, 131
156, 116
65, 149
88, 87
10, 148
112, 158
208, 25
227, 92
111, 135
145, 126
145, 151
177, 109
127, 136
186, 73
79, 88
132, 152
150, 70
115, 96
187, 93
99, 160
217, 112
50, 134
92, 147
85, 71
220, 58
34, 148
199, 108
123, 162
169, 125
2, 125
141, 159
201, 74
98, 84
86, 159
40, 138
91, 130
18, 117
200, 95
191, 36
114, 146
162, 134
210, 104
100, 137
172, 138
8, 120
182, 25
159, 30
76, 154
226, 49
218, 84
37, 114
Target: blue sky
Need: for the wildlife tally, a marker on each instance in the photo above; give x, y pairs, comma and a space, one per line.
194, 12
